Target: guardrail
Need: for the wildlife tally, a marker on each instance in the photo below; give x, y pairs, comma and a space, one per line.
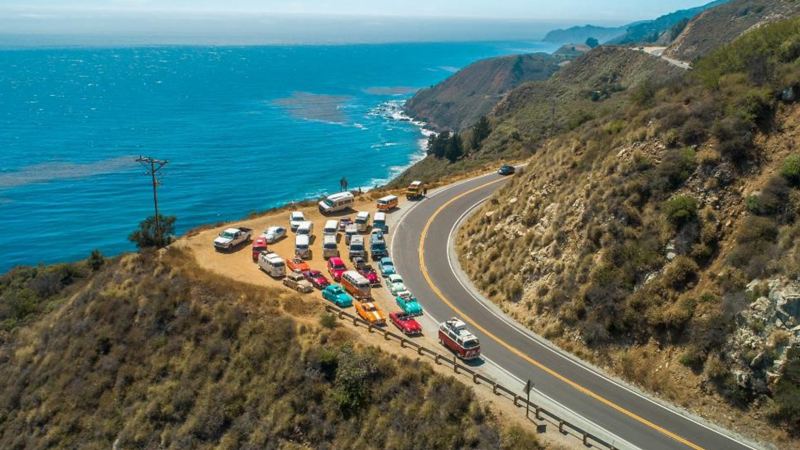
541, 414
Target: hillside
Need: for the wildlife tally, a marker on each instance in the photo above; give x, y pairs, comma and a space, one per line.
152, 352
663, 29
462, 99
658, 235
723, 24
579, 34
586, 88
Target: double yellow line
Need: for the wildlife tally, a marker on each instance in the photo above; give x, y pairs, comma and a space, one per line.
509, 347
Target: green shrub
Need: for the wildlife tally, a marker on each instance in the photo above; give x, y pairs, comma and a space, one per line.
681, 209
328, 320
148, 235
735, 138
791, 169
680, 273
786, 393
95, 260
755, 248
773, 201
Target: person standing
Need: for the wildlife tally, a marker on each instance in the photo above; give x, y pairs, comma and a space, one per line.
343, 184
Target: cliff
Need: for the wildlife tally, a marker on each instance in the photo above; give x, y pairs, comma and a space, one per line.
462, 99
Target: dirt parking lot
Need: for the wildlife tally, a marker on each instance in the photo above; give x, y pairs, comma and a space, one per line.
239, 265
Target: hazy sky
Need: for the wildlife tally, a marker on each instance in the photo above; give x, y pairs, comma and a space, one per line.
37, 22
549, 10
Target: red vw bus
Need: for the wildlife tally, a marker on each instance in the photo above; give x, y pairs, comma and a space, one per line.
454, 335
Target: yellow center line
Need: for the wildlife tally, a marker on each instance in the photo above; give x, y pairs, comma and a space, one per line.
576, 386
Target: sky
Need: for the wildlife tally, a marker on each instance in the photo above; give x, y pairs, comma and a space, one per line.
317, 20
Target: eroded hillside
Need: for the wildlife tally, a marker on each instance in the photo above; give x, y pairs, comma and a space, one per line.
582, 90
658, 236
458, 102
152, 352
723, 24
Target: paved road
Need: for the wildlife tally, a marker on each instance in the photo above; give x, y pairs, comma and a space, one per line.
632, 417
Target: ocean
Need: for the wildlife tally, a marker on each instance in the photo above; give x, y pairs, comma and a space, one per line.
244, 129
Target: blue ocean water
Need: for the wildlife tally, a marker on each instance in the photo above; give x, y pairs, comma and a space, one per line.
243, 128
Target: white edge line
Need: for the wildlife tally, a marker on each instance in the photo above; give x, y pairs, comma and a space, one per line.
549, 346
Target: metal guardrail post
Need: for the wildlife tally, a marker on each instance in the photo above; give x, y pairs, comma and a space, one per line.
369, 328
455, 364
536, 414
402, 342
419, 350
494, 389
475, 378
586, 440
355, 321
386, 335
515, 400
436, 358
561, 427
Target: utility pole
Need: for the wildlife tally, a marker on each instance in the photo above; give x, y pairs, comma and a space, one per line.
152, 167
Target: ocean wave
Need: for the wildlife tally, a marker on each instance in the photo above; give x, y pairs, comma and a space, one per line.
389, 90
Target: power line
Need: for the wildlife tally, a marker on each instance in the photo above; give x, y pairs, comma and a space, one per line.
152, 167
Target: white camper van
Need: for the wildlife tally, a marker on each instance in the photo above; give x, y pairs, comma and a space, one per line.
336, 202
362, 221
272, 264
329, 247
302, 246
331, 228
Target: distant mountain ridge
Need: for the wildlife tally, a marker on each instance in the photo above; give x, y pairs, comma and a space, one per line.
579, 34
646, 31
652, 31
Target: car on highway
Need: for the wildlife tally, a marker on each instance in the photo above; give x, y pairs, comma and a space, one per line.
371, 313
386, 267
231, 238
506, 170
395, 284
316, 278
336, 294
297, 282
336, 268
259, 245
274, 234
367, 271
297, 265
407, 324
409, 305
454, 335
295, 219
416, 190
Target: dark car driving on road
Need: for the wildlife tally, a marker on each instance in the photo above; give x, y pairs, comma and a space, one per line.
507, 170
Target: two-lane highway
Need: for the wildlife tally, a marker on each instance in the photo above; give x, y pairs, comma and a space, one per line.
420, 251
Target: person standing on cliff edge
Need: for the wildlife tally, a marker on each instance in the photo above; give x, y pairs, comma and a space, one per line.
343, 184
